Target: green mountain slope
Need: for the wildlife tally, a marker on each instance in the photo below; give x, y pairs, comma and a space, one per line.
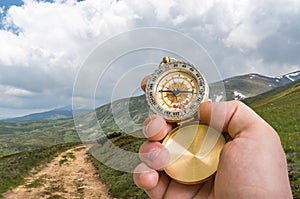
280, 108
275, 94
122, 114
24, 136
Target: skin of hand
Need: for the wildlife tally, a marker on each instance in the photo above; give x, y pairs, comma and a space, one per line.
252, 164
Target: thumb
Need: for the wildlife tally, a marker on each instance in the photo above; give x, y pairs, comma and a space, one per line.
233, 117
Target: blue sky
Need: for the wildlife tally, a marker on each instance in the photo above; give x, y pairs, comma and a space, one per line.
43, 45
5, 5
8, 3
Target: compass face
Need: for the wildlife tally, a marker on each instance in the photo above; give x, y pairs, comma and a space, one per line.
175, 90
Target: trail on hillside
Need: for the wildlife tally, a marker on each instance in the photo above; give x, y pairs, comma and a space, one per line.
70, 175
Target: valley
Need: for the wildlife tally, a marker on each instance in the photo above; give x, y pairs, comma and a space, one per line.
28, 144
16, 137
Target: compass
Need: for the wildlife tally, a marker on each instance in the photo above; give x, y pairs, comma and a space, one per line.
175, 90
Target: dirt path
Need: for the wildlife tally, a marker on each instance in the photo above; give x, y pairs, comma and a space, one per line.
70, 175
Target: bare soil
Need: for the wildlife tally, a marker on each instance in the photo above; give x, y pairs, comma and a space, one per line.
70, 175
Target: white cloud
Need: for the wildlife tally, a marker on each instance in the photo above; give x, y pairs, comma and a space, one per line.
257, 20
248, 36
42, 44
11, 50
61, 31
13, 91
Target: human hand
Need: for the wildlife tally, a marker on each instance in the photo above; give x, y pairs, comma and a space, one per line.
252, 164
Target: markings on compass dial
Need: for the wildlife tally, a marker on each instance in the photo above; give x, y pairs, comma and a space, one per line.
176, 92
176, 89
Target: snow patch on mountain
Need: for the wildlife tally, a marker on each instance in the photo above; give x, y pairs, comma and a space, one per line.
291, 77
238, 95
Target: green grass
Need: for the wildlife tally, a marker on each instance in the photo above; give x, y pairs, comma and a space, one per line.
281, 109
14, 168
120, 184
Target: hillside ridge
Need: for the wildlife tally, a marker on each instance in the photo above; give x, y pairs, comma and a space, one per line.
274, 94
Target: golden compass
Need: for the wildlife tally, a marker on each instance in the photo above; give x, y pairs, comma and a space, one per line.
175, 90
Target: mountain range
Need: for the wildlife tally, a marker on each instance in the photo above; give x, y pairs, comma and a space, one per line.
234, 88
244, 86
122, 115
54, 114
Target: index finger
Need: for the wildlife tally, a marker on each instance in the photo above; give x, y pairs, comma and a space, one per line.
154, 127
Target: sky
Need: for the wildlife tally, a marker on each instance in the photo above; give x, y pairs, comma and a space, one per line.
45, 46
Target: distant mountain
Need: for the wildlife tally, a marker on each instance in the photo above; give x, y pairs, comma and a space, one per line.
277, 94
123, 114
55, 114
238, 88
241, 87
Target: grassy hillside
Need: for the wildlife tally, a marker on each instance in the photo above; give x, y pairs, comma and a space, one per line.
275, 94
120, 183
24, 136
280, 108
136, 111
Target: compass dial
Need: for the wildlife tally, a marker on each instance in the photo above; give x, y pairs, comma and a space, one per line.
175, 90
